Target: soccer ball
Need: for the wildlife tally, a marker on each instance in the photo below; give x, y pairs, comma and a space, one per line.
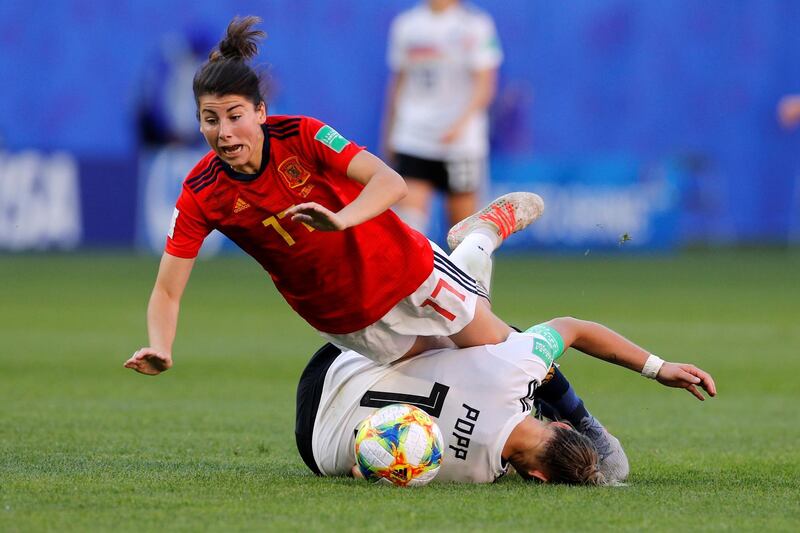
399, 444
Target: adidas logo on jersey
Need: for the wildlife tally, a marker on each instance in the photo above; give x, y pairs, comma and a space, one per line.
240, 205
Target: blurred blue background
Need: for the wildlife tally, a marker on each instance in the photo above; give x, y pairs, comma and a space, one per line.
655, 120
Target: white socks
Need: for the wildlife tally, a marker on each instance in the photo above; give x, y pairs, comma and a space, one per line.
474, 255
490, 240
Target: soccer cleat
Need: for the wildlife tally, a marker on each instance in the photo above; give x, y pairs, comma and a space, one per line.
614, 464
613, 461
508, 214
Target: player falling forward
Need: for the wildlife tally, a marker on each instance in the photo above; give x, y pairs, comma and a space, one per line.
313, 209
481, 398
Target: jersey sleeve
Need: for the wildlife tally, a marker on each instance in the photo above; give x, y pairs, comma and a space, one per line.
188, 228
395, 53
487, 53
328, 147
532, 352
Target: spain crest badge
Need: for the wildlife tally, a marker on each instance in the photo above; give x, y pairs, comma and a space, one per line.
293, 172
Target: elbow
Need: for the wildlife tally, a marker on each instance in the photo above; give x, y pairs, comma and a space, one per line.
565, 321
399, 186
570, 328
402, 189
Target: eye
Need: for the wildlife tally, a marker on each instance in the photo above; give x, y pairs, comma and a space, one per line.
234, 118
210, 121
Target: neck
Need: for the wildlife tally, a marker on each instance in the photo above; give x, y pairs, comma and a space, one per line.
529, 438
441, 5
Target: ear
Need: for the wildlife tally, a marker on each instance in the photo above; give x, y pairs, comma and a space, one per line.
538, 474
561, 424
261, 112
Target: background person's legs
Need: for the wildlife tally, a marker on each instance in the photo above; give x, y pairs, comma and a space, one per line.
460, 205
414, 209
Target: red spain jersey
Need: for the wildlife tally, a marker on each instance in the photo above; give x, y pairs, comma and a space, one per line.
338, 281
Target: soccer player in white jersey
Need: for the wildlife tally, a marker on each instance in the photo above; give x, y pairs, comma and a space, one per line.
444, 56
481, 398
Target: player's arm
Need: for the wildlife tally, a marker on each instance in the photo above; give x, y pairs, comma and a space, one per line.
789, 110
162, 316
601, 342
485, 86
396, 81
383, 187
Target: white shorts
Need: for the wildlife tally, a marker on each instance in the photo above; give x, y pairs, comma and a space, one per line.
467, 175
442, 306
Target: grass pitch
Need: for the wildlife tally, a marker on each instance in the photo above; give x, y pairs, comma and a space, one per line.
88, 445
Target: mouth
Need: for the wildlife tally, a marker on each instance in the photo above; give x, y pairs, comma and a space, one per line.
232, 150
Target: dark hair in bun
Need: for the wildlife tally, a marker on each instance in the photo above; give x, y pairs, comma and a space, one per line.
227, 70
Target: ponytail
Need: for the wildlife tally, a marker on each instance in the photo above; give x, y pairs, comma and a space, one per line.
568, 457
227, 70
240, 42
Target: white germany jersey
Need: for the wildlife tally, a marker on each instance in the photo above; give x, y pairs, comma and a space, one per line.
476, 395
439, 54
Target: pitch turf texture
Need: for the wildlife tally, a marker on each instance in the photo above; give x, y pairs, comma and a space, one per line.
87, 445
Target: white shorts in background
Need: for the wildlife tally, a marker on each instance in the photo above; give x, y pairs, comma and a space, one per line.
442, 306
467, 175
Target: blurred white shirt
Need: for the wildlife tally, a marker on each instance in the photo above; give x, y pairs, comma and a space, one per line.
439, 53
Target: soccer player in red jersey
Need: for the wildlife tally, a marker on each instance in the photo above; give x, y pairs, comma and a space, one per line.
313, 209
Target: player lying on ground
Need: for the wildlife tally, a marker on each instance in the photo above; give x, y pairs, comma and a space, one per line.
481, 398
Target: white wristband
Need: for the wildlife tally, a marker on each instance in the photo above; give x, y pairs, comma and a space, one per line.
652, 366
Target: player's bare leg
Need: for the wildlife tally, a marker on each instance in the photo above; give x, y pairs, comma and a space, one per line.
461, 205
423, 344
485, 328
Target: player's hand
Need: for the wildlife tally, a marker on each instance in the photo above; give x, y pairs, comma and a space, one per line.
317, 217
452, 134
789, 111
356, 472
689, 377
149, 361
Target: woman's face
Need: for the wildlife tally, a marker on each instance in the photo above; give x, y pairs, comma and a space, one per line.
231, 125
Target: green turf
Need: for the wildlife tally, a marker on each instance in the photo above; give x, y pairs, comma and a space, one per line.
86, 445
